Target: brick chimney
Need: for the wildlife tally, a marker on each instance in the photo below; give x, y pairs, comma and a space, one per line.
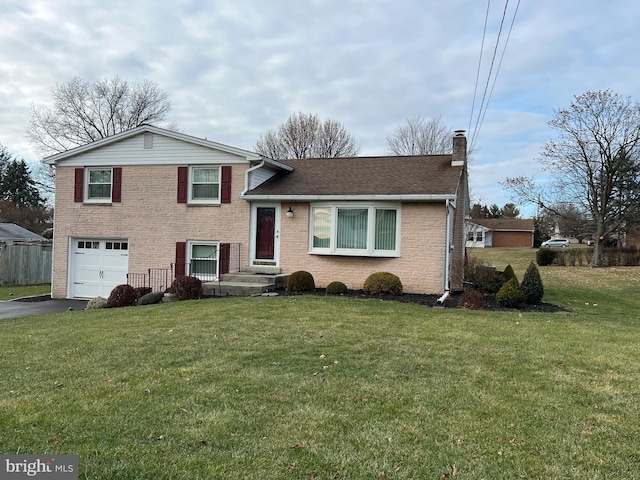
459, 157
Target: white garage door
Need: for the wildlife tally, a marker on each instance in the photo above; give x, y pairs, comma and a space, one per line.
97, 266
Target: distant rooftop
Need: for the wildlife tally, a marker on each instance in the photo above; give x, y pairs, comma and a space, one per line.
13, 232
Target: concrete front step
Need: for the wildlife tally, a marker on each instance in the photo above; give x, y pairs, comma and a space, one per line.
244, 284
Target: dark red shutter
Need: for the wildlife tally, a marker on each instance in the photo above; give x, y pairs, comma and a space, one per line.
78, 195
183, 183
225, 251
116, 188
225, 196
181, 258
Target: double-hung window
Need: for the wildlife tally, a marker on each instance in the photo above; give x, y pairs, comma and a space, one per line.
358, 229
203, 260
99, 182
204, 184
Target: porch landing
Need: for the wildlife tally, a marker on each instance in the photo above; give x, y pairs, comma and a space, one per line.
243, 284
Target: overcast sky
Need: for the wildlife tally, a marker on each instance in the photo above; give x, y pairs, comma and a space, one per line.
237, 68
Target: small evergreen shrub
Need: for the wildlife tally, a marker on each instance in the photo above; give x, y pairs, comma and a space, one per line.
151, 298
510, 295
382, 283
141, 291
122, 296
545, 257
187, 288
337, 288
96, 303
509, 274
472, 299
300, 282
532, 285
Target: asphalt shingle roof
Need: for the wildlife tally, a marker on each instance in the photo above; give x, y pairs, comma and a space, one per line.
505, 224
405, 175
11, 231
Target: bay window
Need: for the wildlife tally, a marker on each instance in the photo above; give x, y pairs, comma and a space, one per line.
355, 229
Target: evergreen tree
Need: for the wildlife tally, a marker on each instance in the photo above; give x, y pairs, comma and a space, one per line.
17, 186
532, 285
20, 200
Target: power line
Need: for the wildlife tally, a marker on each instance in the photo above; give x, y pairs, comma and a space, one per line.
483, 106
504, 49
475, 90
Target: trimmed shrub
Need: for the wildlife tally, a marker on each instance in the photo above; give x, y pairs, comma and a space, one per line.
510, 295
337, 288
96, 303
300, 282
532, 285
509, 274
141, 291
545, 257
382, 283
122, 296
472, 299
187, 288
485, 279
151, 298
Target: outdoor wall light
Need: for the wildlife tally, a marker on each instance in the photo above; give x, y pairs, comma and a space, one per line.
290, 213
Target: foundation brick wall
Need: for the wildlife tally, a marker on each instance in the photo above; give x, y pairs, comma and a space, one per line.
148, 216
512, 239
420, 267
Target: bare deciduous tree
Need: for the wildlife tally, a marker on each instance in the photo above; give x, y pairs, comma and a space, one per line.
594, 162
305, 136
421, 137
84, 112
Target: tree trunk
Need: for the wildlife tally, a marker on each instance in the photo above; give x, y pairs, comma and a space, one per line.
598, 246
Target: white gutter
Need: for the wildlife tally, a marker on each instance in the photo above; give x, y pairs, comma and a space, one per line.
334, 197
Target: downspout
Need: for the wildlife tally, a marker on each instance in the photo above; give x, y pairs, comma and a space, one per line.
447, 254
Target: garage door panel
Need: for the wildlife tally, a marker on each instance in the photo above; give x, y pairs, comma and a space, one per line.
97, 266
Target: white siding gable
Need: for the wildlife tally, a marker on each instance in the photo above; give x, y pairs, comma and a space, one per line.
164, 151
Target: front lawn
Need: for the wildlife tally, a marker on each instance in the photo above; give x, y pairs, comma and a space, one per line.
19, 291
333, 388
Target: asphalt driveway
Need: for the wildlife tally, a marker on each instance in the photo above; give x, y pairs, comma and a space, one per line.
21, 308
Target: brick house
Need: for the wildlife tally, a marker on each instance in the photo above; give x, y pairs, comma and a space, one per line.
150, 198
499, 232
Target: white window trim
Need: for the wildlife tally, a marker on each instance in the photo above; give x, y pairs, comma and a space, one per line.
212, 201
191, 243
370, 251
87, 174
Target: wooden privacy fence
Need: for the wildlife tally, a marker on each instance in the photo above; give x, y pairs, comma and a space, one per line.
25, 263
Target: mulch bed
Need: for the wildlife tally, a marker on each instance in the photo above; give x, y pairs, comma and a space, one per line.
490, 302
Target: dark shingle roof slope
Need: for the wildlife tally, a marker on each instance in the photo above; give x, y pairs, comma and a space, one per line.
405, 175
505, 224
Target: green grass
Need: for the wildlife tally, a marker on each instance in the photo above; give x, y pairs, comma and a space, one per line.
334, 388
18, 291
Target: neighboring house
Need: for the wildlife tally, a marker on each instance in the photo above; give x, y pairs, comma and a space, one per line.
499, 232
150, 198
10, 232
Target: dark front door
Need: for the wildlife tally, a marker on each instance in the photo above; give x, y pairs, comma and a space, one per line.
265, 232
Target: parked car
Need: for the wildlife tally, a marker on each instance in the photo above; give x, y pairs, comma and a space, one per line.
555, 242
591, 242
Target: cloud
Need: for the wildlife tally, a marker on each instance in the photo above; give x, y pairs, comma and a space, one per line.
235, 69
